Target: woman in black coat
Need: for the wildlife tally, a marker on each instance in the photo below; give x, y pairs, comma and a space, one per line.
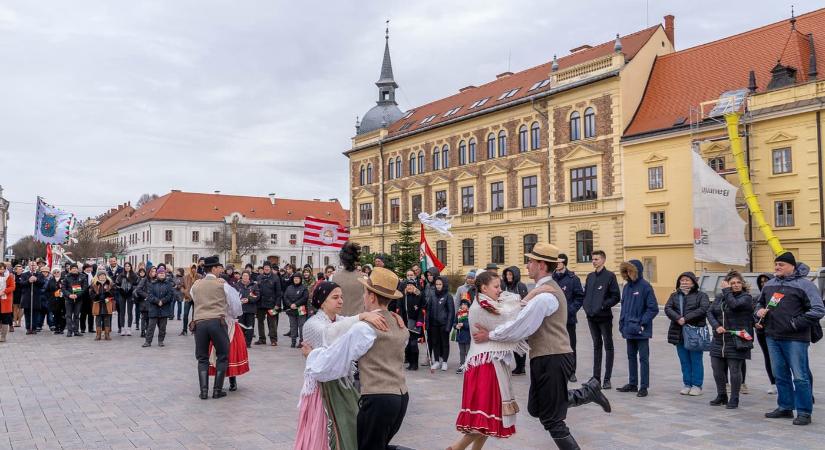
159, 294
687, 306
410, 308
440, 321
139, 297
731, 312
248, 292
126, 282
295, 304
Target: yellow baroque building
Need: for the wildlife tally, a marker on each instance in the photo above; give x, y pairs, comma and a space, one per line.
782, 135
530, 156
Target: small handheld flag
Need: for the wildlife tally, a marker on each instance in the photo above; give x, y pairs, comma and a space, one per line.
775, 299
742, 334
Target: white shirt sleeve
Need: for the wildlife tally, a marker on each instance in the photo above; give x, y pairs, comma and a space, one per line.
336, 329
529, 319
334, 362
234, 308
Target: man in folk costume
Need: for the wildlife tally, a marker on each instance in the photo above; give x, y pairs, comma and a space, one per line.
238, 358
544, 321
209, 297
380, 357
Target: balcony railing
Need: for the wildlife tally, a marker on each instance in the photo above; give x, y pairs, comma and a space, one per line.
467, 218
364, 229
529, 212
497, 215
583, 206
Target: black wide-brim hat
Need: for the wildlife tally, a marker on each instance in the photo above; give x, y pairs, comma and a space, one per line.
211, 261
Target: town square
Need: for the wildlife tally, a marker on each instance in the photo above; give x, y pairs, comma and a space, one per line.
426, 225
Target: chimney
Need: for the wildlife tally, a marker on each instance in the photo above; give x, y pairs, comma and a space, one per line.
466, 88
503, 75
217, 192
272, 198
669, 30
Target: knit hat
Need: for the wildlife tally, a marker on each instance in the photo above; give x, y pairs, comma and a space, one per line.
563, 259
322, 292
471, 274
786, 257
161, 270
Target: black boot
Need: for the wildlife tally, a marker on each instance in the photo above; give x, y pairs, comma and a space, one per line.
733, 403
233, 384
203, 379
721, 399
589, 392
217, 389
567, 443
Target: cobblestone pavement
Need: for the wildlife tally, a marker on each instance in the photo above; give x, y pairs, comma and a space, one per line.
75, 393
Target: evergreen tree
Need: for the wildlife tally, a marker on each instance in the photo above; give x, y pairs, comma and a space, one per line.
407, 250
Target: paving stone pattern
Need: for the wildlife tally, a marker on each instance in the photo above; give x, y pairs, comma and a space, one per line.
75, 393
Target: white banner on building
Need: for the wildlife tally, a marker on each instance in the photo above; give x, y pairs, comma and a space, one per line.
718, 230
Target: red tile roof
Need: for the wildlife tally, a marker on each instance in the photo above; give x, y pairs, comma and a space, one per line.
197, 207
686, 78
111, 220
631, 44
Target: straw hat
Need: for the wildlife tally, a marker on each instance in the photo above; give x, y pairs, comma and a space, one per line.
544, 252
382, 282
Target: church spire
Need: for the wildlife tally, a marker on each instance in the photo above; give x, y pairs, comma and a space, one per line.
386, 83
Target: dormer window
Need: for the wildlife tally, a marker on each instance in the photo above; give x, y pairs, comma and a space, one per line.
479, 102
508, 94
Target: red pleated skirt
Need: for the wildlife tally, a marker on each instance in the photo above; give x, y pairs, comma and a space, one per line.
481, 403
238, 356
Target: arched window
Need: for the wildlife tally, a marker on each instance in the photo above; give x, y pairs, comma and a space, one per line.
462, 153
584, 246
398, 167
412, 163
522, 139
502, 143
575, 126
497, 250
363, 175
391, 169
535, 136
491, 146
421, 168
589, 123
471, 151
436, 159
468, 257
529, 242
369, 173
445, 157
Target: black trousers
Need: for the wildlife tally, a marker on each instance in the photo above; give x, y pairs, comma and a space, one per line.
248, 320
72, 315
267, 323
439, 337
602, 333
160, 323
548, 399
121, 311
212, 330
379, 418
721, 368
87, 320
763, 344
411, 352
58, 308
138, 304
571, 332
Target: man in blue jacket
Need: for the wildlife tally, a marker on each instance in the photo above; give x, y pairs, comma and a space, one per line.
573, 292
639, 307
790, 308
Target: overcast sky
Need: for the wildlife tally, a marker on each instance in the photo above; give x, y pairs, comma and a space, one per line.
101, 101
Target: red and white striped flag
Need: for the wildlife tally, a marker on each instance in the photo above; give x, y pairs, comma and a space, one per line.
324, 233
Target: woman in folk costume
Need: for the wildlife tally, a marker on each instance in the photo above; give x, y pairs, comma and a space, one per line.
238, 356
488, 407
328, 409
7, 284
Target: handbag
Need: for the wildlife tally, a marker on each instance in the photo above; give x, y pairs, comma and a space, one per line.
694, 339
742, 344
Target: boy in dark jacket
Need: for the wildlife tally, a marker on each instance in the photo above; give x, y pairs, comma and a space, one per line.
639, 307
573, 292
601, 293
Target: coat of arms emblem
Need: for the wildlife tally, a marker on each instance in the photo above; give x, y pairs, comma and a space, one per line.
48, 225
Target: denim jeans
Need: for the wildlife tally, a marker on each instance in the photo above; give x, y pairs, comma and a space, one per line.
693, 366
789, 361
638, 348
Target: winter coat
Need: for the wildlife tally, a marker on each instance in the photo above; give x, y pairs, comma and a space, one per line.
159, 296
639, 305
74, 285
7, 292
429, 288
601, 293
734, 312
54, 291
188, 282
270, 291
799, 309
440, 307
297, 295
30, 292
760, 283
102, 294
114, 274
250, 293
44, 293
17, 289
410, 308
516, 287
125, 283
573, 292
462, 335
694, 308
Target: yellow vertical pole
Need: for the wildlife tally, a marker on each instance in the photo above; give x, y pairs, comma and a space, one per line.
732, 121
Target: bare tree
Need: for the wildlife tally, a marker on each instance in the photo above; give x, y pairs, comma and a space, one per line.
89, 246
144, 199
27, 248
250, 239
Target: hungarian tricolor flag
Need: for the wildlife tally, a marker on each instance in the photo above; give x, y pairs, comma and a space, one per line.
742, 334
426, 255
775, 299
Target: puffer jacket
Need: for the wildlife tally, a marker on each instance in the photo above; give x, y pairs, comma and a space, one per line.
516, 287
571, 285
440, 307
639, 305
800, 306
270, 291
250, 293
297, 295
429, 288
734, 312
158, 292
693, 307
74, 284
